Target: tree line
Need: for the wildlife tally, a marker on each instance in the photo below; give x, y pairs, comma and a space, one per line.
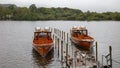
42, 13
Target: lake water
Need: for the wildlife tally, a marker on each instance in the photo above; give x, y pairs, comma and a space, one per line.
16, 40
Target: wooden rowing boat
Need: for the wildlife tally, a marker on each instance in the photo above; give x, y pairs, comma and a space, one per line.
79, 36
42, 42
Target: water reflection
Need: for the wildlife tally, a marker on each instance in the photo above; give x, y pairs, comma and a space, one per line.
42, 62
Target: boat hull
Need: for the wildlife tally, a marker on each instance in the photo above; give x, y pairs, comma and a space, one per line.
43, 50
83, 44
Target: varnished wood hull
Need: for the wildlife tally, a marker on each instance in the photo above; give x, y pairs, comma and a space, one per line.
43, 49
82, 44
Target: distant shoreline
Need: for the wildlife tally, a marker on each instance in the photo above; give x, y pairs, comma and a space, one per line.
57, 20
33, 13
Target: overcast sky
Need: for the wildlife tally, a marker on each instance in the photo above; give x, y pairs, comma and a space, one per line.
84, 5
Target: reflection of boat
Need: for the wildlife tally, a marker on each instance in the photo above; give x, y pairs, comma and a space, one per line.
42, 61
79, 36
42, 41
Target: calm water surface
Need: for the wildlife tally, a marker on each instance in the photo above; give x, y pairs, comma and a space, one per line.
16, 41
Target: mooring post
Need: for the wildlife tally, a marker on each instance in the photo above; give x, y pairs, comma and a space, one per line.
60, 33
72, 49
67, 54
110, 50
55, 41
61, 50
67, 37
64, 36
58, 46
96, 52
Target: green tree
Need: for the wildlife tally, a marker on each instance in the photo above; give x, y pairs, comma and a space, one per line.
33, 8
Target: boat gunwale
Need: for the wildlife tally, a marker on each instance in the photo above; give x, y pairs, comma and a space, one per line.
87, 40
43, 44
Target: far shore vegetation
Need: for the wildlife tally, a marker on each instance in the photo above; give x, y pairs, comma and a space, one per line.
34, 13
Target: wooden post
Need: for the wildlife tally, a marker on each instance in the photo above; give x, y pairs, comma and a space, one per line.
58, 46
110, 50
60, 33
66, 54
67, 37
96, 52
97, 55
64, 36
56, 41
61, 50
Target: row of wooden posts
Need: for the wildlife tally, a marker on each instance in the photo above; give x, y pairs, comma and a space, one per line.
62, 37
